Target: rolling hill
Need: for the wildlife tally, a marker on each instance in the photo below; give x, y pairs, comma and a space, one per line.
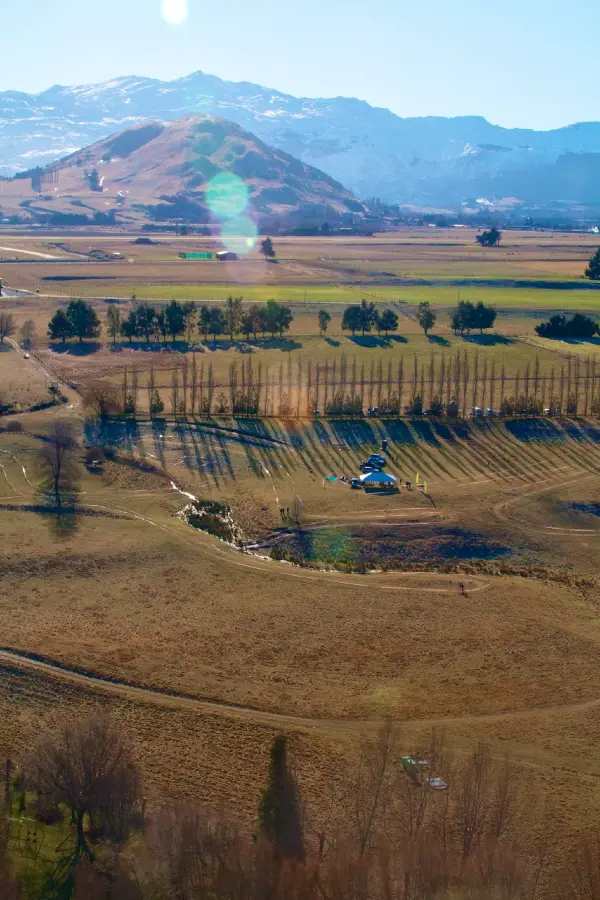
431, 161
161, 171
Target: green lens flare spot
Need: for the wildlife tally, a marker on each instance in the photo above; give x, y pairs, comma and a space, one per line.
239, 235
227, 196
334, 545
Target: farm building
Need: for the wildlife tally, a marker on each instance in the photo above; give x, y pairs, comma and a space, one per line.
226, 255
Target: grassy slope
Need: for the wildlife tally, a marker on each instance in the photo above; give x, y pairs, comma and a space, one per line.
166, 606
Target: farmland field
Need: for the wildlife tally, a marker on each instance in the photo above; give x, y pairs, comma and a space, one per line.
407, 267
284, 600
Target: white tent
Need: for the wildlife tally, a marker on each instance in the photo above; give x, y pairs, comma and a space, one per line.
378, 479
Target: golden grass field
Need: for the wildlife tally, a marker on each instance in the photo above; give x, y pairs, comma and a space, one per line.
229, 648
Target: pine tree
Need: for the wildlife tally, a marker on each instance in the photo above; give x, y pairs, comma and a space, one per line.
593, 270
279, 810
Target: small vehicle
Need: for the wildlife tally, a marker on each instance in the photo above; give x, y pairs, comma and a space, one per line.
437, 784
369, 467
26, 356
373, 411
477, 412
376, 459
491, 413
355, 484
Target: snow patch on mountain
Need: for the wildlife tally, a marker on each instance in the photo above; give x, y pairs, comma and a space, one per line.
430, 160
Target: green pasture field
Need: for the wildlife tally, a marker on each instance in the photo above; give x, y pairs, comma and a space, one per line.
517, 298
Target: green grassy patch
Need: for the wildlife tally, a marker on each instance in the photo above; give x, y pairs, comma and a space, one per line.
517, 298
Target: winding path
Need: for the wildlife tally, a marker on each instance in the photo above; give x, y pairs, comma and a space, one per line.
144, 694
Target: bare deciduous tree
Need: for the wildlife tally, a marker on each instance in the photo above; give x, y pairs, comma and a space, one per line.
57, 459
7, 325
103, 398
87, 766
372, 785
27, 333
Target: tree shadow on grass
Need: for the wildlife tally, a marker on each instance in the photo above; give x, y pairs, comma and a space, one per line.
332, 342
442, 431
438, 339
279, 344
59, 512
576, 341
371, 341
398, 431
487, 340
424, 431
85, 348
530, 429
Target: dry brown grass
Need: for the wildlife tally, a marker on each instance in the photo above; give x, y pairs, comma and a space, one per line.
135, 594
21, 383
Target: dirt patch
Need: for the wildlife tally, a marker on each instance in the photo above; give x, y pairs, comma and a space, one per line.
253, 515
133, 474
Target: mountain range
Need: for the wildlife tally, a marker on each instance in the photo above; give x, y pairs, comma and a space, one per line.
198, 169
432, 162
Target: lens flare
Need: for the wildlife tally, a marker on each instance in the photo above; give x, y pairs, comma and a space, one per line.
175, 12
239, 235
334, 545
227, 196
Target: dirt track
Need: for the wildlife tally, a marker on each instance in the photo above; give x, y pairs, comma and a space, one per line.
143, 694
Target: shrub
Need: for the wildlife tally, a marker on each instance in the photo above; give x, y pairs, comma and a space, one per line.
437, 407
559, 326
94, 455
452, 409
415, 406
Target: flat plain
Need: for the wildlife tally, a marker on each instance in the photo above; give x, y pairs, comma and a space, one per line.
204, 651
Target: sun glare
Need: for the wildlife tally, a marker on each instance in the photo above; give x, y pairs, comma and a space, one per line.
174, 11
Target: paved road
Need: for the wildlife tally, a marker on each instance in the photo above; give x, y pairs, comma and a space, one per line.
28, 252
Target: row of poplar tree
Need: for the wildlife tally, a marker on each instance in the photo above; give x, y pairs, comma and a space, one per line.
441, 385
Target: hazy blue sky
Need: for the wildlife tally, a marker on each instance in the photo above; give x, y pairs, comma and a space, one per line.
517, 62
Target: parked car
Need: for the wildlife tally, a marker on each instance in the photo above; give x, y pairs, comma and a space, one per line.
477, 412
490, 412
355, 484
369, 467
26, 356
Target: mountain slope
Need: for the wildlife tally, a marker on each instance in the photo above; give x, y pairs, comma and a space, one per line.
426, 161
160, 171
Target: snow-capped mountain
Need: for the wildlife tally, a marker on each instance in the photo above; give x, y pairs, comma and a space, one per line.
431, 161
